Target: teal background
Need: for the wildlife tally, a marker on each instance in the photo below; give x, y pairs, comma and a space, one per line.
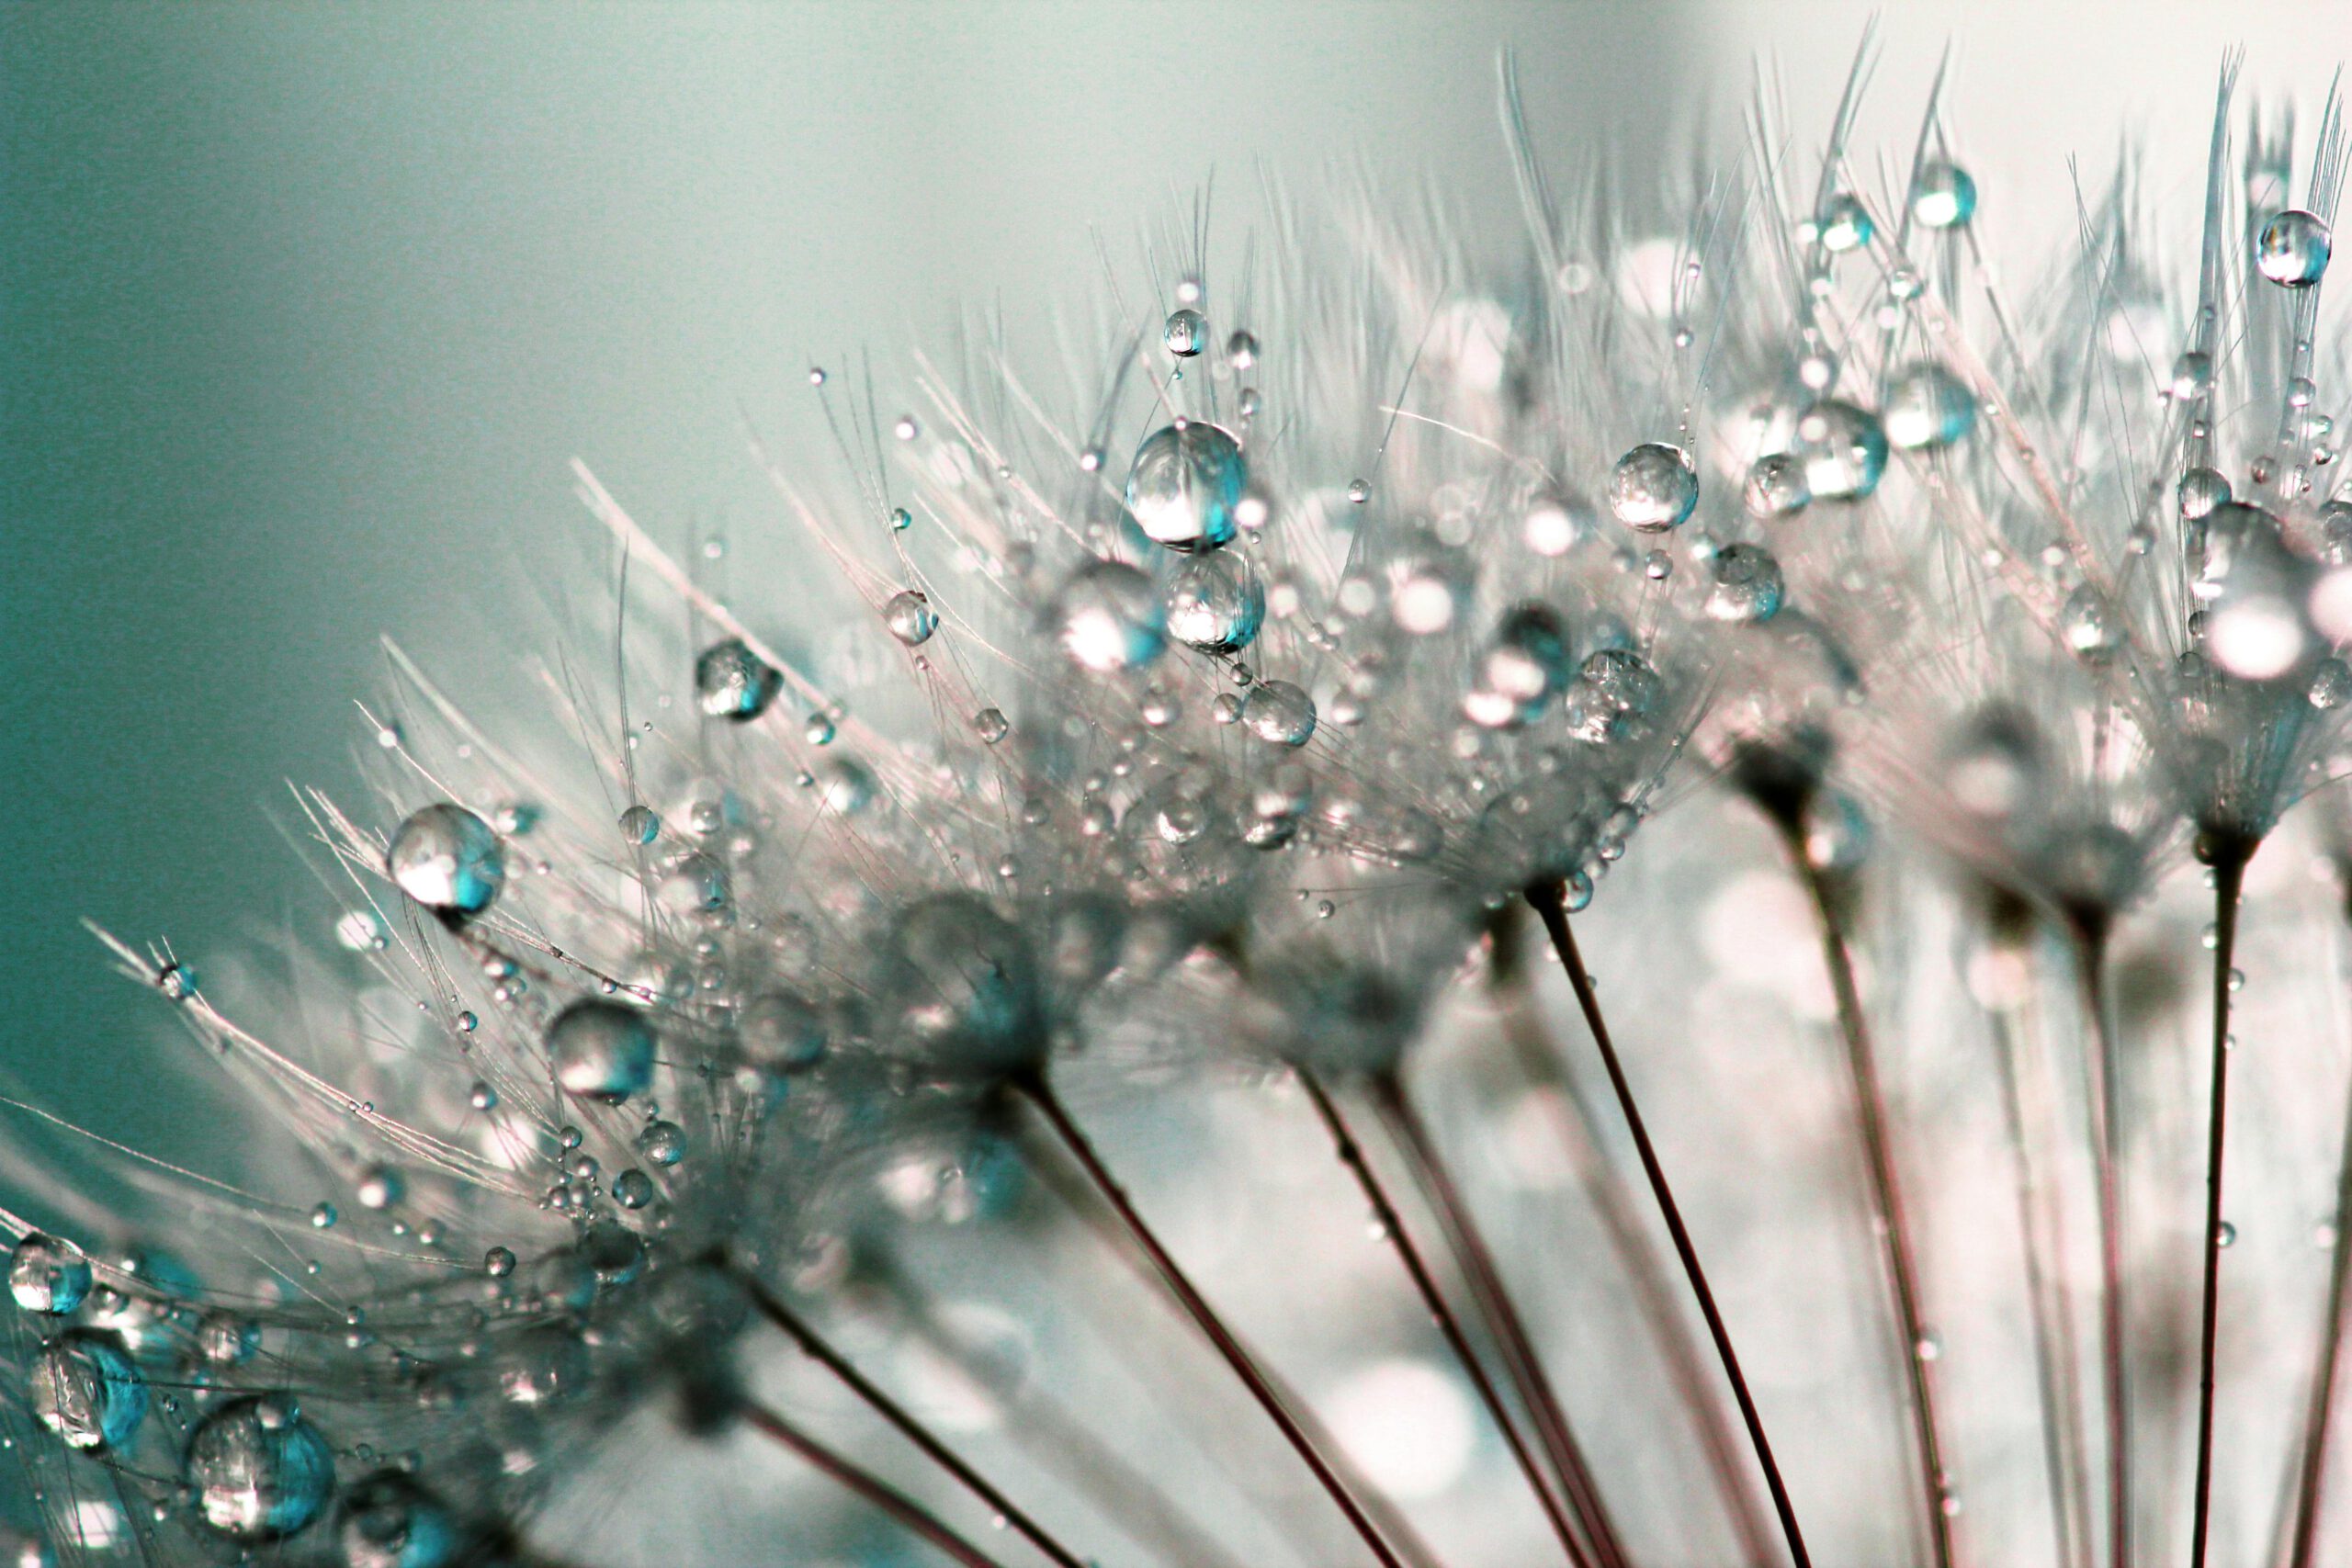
303, 311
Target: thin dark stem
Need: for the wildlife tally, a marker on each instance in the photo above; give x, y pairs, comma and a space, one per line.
2318, 1418
1392, 1226
2228, 879
1577, 1123
1041, 1095
902, 1508
2054, 1361
1552, 910
1501, 1317
1897, 1247
1049, 1433
785, 1318
2105, 1108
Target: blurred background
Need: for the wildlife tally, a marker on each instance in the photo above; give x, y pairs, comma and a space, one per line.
304, 309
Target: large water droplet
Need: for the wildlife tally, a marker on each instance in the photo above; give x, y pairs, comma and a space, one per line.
909, 616
1185, 333
47, 1275
1653, 488
447, 859
963, 985
1749, 585
1843, 448
86, 1388
260, 1471
601, 1049
783, 1032
1185, 482
1843, 224
2089, 626
1776, 486
1926, 407
390, 1521
1108, 618
1943, 196
1278, 712
1216, 602
2292, 249
733, 683
1521, 670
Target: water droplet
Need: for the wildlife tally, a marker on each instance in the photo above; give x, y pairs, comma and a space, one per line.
483, 1097
447, 859
1844, 224
1843, 449
324, 1217
733, 683
601, 1049
2225, 1234
2202, 489
632, 1188
1359, 491
1776, 486
2331, 685
2088, 626
498, 1262
1216, 602
260, 1471
1242, 350
1185, 333
1928, 408
380, 1187
901, 519
388, 1521
1654, 486
1109, 618
909, 617
1278, 713
960, 981
2292, 249
989, 725
906, 429
46, 1274
1524, 667
640, 825
1749, 585
1943, 196
1557, 523
86, 1388
1185, 481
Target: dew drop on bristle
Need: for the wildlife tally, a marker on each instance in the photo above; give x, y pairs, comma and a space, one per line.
2088, 626
1278, 713
1749, 584
1216, 602
2201, 490
1185, 481
1522, 669
1109, 618
1653, 488
447, 859
960, 981
1241, 348
498, 1262
387, 1520
664, 1143
1944, 194
2292, 249
732, 682
601, 1051
359, 931
47, 1275
1555, 524
909, 617
1185, 333
991, 726
1927, 408
640, 825
1843, 448
2331, 685
1843, 224
782, 1031
86, 1388
1776, 486
259, 1470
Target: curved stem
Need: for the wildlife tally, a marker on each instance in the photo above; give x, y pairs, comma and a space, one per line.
904, 1509
1041, 1095
815, 1348
1392, 1226
1550, 907
1502, 1319
2318, 1418
2228, 879
2105, 1103
1897, 1247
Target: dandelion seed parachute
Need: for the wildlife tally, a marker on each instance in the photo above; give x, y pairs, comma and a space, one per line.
920, 997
